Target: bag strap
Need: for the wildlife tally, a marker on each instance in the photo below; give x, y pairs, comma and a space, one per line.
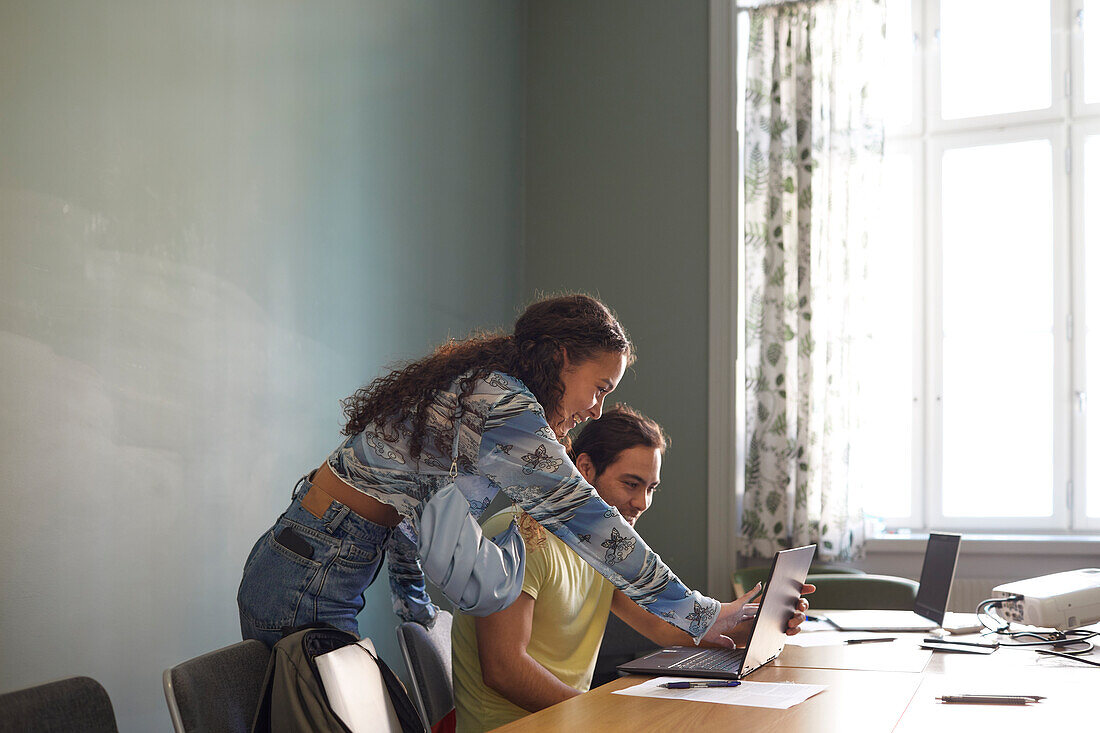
261, 720
330, 637
454, 446
322, 625
399, 696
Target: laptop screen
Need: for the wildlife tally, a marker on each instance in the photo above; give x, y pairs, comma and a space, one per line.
781, 595
936, 575
766, 637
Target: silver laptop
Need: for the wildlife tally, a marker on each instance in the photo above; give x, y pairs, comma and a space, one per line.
766, 638
929, 609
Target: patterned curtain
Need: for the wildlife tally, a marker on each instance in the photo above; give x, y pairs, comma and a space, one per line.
814, 145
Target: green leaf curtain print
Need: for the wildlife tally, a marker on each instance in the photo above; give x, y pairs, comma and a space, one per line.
813, 159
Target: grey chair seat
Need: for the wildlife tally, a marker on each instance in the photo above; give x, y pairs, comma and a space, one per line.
218, 690
74, 704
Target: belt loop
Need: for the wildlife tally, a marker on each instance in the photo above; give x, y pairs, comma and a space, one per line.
294, 491
336, 521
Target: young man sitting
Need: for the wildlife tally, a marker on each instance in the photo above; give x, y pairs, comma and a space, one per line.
542, 649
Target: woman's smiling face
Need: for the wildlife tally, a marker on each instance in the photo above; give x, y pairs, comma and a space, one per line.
586, 385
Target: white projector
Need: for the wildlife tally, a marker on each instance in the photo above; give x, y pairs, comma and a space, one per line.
1060, 601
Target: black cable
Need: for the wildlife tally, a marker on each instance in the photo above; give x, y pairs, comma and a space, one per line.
984, 609
1068, 655
1060, 639
1054, 638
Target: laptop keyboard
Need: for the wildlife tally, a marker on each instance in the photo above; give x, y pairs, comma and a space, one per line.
716, 659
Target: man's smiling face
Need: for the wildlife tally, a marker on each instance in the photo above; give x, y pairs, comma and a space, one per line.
629, 482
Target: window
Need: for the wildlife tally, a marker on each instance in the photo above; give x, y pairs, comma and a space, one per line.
976, 370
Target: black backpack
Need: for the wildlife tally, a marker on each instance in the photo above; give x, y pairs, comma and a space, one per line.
294, 699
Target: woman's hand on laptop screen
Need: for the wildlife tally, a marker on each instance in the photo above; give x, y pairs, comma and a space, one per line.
735, 619
731, 617
794, 625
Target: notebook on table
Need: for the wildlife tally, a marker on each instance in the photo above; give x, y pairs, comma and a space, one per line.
766, 638
929, 609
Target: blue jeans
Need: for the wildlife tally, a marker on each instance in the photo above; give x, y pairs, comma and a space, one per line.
306, 569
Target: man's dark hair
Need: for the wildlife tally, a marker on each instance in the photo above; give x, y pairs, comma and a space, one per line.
619, 429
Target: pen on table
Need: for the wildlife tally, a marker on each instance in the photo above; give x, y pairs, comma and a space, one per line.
938, 640
871, 640
692, 685
993, 699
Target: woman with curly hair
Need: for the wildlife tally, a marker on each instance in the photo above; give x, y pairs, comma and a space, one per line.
485, 414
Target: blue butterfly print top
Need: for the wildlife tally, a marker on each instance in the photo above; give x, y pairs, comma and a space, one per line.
505, 444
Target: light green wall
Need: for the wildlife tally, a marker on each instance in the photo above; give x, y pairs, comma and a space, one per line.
217, 218
616, 184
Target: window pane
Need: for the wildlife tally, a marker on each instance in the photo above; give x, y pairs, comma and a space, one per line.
998, 331
884, 357
899, 64
994, 57
1092, 319
1092, 51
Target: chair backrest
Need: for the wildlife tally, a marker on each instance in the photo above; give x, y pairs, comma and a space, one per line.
218, 690
745, 578
71, 704
839, 591
621, 644
427, 654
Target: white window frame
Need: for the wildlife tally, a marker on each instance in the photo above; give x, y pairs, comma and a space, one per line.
937, 146
1081, 130
913, 146
1059, 16
915, 125
1075, 20
928, 135
1066, 123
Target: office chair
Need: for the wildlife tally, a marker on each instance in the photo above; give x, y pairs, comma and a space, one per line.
621, 644
71, 704
427, 654
845, 591
218, 690
745, 578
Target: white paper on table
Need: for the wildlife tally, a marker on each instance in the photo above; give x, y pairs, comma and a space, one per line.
816, 638
775, 695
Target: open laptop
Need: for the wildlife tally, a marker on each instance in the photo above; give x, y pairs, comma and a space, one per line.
766, 638
929, 609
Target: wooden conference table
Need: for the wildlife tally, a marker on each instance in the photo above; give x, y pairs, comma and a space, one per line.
888, 686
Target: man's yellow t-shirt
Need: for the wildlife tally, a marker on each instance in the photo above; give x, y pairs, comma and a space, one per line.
572, 602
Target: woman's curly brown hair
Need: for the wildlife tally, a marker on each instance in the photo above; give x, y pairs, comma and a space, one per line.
580, 324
